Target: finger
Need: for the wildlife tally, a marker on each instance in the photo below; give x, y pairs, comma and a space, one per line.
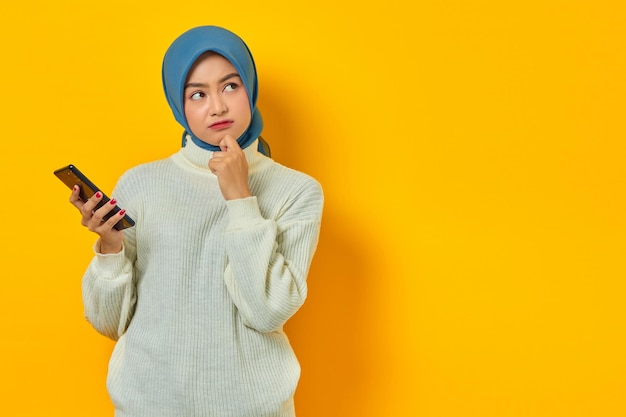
99, 214
215, 164
224, 143
218, 158
75, 197
114, 219
92, 203
228, 143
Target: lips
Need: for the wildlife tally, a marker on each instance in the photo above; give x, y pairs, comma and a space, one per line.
222, 124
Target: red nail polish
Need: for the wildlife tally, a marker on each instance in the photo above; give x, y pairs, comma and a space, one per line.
122, 212
113, 202
98, 195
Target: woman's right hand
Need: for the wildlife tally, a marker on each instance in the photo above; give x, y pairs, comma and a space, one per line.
110, 238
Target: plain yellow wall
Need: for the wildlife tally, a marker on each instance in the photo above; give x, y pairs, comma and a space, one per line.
471, 261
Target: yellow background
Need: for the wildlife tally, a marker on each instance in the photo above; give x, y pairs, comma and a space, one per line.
472, 153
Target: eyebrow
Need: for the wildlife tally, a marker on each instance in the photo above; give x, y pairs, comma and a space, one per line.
221, 80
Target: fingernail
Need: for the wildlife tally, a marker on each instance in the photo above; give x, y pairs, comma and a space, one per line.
113, 202
122, 212
98, 195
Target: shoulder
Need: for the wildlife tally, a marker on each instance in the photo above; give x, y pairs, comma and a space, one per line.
146, 171
272, 175
284, 190
144, 179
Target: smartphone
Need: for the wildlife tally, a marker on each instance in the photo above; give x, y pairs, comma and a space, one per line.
71, 176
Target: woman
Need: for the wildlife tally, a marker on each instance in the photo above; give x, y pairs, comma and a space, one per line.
197, 293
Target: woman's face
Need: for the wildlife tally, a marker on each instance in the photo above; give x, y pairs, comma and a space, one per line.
215, 99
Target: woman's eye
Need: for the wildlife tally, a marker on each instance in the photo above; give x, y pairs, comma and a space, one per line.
230, 87
196, 96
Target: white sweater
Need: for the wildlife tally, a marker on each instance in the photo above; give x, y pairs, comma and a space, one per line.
198, 297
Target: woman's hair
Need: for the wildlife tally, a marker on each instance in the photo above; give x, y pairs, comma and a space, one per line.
183, 53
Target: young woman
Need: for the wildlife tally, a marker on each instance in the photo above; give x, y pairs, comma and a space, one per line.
197, 292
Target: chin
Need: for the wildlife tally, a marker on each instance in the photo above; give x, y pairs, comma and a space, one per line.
212, 141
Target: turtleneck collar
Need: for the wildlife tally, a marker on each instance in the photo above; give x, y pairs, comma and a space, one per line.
194, 156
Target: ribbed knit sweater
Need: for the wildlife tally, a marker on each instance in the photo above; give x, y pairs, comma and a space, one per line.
199, 294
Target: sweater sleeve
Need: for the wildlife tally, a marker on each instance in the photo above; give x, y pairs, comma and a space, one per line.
269, 259
109, 292
108, 286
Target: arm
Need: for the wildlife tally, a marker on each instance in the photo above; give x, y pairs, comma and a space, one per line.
268, 260
108, 288
109, 293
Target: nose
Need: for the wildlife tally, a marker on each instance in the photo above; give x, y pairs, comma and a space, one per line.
217, 105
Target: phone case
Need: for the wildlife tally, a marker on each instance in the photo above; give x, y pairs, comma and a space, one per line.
71, 176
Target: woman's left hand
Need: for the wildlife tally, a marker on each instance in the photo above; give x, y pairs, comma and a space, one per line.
231, 168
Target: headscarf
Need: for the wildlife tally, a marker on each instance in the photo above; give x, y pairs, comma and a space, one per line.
182, 54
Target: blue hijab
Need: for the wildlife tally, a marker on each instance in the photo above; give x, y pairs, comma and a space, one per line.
182, 54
